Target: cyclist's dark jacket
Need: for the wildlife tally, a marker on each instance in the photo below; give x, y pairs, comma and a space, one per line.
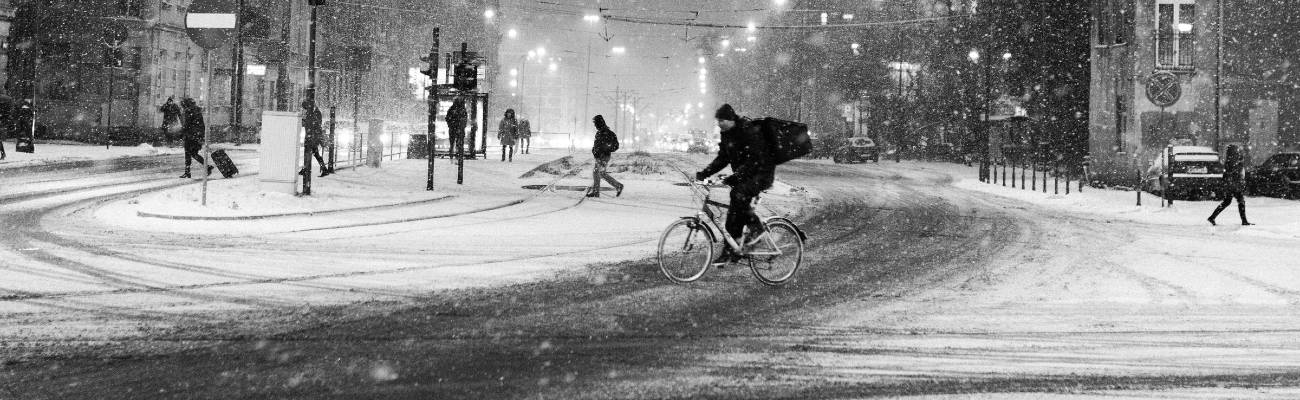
746, 150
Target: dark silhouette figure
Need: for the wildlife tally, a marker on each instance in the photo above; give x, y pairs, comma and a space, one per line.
525, 136
744, 148
192, 130
311, 122
457, 118
1234, 184
507, 133
171, 123
604, 146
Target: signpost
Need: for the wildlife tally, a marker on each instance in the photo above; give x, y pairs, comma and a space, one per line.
210, 24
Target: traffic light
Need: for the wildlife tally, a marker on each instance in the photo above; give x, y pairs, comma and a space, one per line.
466, 77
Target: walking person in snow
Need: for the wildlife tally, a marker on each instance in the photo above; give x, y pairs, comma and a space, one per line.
171, 122
311, 121
744, 148
1234, 184
525, 136
457, 118
606, 144
507, 133
192, 130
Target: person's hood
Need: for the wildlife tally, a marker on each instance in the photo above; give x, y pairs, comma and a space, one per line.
599, 120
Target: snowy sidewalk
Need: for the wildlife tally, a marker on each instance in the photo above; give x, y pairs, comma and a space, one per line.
62, 151
1274, 218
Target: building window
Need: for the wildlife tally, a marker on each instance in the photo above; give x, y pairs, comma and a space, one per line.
1114, 21
1175, 33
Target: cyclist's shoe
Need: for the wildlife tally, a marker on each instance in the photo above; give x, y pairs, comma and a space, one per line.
753, 239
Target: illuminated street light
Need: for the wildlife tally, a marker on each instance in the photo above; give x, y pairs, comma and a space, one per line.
751, 27
514, 83
591, 18
618, 49
974, 55
701, 59
779, 2
514, 72
489, 13
1006, 56
553, 67
726, 43
824, 16
531, 54
751, 39
541, 52
512, 33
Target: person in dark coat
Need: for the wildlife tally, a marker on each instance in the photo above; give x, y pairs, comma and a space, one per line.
171, 119
507, 133
1234, 184
192, 131
311, 122
744, 148
457, 118
602, 148
525, 136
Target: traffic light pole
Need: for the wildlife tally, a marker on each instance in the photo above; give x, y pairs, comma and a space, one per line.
430, 140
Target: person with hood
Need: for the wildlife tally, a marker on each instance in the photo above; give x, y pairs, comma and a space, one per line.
311, 122
606, 144
525, 136
171, 119
1234, 184
746, 150
457, 118
192, 130
507, 133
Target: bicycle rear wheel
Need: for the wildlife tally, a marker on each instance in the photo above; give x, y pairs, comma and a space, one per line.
785, 242
685, 250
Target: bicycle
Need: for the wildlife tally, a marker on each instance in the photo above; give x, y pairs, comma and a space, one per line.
773, 260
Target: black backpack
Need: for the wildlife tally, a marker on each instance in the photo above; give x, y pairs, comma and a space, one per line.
789, 139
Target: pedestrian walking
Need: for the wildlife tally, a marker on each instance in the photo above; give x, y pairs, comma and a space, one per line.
192, 130
1233, 185
457, 118
525, 136
311, 122
606, 144
171, 123
507, 133
745, 149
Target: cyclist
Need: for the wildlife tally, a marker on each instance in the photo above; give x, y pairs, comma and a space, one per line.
744, 148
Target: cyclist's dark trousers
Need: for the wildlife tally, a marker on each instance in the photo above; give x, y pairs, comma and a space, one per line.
192, 148
741, 213
1228, 195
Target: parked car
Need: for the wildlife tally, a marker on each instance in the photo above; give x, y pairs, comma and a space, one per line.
1279, 176
857, 149
1194, 172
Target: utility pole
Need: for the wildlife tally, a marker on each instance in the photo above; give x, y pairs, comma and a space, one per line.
237, 99
432, 101
311, 97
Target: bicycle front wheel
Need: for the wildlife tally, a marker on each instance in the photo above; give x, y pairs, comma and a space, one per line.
685, 250
779, 263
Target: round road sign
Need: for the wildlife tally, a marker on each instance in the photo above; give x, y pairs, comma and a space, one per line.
211, 23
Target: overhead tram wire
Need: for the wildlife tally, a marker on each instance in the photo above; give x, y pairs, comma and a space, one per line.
648, 21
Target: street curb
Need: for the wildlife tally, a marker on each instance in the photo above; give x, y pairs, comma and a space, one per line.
143, 214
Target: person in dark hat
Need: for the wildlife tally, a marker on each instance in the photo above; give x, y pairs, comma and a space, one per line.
1234, 184
746, 151
192, 131
507, 133
311, 122
605, 145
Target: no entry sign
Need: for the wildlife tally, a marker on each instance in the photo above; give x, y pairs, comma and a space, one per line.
211, 23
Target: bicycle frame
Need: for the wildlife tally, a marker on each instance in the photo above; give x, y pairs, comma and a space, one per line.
707, 217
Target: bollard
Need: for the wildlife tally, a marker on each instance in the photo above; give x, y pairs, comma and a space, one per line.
1013, 176
1056, 179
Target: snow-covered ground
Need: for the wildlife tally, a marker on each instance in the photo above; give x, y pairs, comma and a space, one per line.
64, 151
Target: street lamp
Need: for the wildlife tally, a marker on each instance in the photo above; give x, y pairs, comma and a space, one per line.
618, 50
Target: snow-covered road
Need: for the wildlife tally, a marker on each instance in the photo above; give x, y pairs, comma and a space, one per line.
918, 283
